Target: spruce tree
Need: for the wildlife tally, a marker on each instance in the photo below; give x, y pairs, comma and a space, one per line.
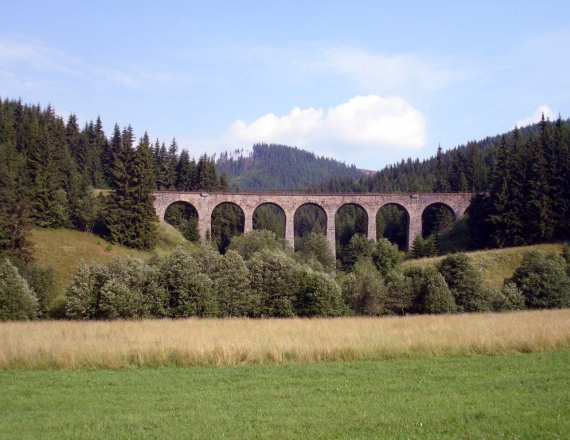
441, 182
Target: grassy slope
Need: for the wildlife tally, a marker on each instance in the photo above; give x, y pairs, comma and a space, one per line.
513, 396
497, 264
63, 249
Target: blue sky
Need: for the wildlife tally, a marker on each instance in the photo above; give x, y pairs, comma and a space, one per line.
368, 83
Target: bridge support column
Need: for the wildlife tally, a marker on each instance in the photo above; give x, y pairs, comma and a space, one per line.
248, 222
205, 224
331, 231
371, 224
290, 228
415, 229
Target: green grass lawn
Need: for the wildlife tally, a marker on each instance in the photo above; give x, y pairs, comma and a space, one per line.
511, 397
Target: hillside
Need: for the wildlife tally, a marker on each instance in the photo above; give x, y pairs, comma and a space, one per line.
279, 167
63, 249
497, 264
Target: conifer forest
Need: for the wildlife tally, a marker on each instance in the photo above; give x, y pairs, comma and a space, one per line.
56, 174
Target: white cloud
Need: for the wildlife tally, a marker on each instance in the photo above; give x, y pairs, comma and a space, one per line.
365, 126
543, 109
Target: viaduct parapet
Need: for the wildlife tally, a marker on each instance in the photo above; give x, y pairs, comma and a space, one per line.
413, 204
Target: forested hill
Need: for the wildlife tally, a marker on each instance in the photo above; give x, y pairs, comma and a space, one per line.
468, 168
280, 167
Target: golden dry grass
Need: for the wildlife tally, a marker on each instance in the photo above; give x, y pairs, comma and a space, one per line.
497, 264
193, 342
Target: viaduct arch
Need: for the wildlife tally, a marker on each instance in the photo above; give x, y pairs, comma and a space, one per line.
414, 204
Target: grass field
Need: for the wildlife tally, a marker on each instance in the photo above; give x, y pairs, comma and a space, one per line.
497, 264
202, 342
524, 396
62, 249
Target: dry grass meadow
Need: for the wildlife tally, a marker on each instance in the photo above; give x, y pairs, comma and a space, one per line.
212, 342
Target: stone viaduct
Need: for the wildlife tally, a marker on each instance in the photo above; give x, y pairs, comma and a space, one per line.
413, 204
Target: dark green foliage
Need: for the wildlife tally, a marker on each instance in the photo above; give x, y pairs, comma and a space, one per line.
317, 247
392, 222
42, 281
441, 180
125, 288
543, 281
280, 167
232, 287
130, 215
386, 257
359, 247
17, 300
364, 290
308, 219
424, 247
183, 217
508, 298
228, 221
274, 279
436, 219
318, 295
271, 218
437, 298
255, 241
429, 291
465, 283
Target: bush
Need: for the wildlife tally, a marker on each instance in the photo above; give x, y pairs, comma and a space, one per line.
543, 281
437, 298
317, 246
42, 281
386, 256
507, 298
232, 286
359, 248
190, 292
255, 241
274, 280
17, 300
125, 288
465, 283
429, 291
318, 295
364, 290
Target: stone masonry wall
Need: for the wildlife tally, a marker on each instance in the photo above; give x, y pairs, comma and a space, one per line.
330, 203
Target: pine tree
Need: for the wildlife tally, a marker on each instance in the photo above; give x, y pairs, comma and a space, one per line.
441, 182
539, 216
500, 216
172, 162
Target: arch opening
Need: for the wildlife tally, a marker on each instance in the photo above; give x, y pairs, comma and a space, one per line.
350, 219
228, 220
184, 217
309, 218
437, 218
271, 217
393, 223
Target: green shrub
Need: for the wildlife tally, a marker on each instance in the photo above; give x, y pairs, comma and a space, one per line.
317, 246
125, 288
232, 286
465, 283
17, 300
543, 281
274, 280
364, 290
318, 295
190, 292
386, 256
507, 298
254, 241
437, 298
359, 248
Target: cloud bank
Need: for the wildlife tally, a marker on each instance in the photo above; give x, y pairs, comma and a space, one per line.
363, 126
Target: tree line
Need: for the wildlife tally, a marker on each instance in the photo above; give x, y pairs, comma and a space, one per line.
259, 277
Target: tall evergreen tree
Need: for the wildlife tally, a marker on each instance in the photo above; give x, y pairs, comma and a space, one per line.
441, 182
